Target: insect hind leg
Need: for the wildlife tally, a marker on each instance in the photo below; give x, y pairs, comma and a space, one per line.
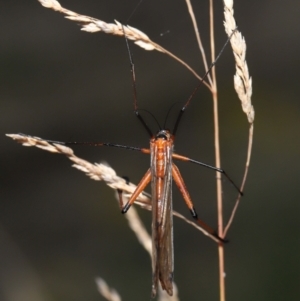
186, 196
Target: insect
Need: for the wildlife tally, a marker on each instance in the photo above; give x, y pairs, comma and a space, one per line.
161, 173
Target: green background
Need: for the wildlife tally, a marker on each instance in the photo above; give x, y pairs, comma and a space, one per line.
59, 229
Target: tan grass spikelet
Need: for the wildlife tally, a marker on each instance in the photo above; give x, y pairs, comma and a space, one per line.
242, 79
90, 24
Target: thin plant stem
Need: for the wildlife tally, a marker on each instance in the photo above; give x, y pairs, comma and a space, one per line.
200, 44
186, 65
221, 272
213, 88
217, 156
250, 144
219, 199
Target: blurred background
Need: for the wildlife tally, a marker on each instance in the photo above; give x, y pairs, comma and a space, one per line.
59, 229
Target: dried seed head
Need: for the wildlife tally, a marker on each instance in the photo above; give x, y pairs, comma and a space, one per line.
242, 79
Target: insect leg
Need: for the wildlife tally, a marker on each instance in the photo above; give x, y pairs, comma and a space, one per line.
139, 149
141, 186
186, 196
222, 171
120, 193
136, 112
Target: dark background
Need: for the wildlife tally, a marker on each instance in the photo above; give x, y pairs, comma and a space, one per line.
59, 229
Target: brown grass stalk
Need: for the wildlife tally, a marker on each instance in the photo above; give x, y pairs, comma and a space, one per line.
197, 34
213, 84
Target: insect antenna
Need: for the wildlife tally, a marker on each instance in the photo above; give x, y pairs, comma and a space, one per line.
169, 111
154, 118
137, 114
133, 12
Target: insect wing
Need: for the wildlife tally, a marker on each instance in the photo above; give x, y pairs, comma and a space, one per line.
162, 217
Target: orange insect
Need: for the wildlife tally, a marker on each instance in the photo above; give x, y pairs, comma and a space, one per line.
160, 174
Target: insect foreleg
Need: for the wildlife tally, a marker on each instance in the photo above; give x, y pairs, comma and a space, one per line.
139, 189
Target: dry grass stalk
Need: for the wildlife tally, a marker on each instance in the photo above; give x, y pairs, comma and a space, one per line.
90, 24
197, 33
108, 293
213, 83
242, 85
137, 226
250, 143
